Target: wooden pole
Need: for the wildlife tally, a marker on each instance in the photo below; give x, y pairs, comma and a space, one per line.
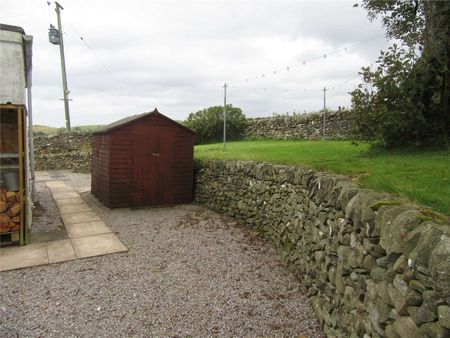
225, 117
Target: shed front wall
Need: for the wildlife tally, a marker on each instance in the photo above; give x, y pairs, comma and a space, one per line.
100, 177
151, 163
121, 166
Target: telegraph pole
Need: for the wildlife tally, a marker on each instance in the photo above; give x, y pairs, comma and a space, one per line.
324, 111
225, 117
66, 92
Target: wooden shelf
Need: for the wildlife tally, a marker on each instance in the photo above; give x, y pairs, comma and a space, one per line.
9, 238
13, 159
9, 233
9, 155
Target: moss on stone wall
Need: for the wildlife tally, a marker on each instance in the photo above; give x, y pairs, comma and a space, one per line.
369, 272
65, 151
304, 126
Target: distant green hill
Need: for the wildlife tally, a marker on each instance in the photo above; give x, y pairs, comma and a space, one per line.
89, 127
39, 129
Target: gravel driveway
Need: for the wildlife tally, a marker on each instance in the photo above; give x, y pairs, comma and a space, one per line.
188, 272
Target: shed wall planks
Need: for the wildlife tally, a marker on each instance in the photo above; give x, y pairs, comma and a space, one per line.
145, 161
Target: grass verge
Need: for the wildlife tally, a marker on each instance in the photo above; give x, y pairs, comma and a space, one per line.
421, 176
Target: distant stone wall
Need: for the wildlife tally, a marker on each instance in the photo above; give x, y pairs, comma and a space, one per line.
72, 151
65, 151
373, 265
305, 126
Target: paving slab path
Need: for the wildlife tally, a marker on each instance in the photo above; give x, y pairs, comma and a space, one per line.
189, 272
88, 235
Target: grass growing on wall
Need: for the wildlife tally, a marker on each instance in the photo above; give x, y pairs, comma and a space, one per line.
421, 176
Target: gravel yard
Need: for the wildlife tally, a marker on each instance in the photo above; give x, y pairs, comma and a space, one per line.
188, 272
45, 212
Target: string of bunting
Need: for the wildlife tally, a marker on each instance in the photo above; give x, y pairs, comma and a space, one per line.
305, 62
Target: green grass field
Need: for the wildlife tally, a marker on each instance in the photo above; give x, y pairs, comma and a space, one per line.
421, 176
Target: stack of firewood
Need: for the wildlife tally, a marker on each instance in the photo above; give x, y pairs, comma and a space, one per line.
9, 211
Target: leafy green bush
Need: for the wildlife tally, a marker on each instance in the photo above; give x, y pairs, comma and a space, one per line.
208, 124
400, 101
405, 100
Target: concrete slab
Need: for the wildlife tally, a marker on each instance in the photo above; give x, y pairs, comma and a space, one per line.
48, 236
69, 201
42, 176
65, 194
97, 245
88, 235
56, 183
79, 217
56, 174
71, 208
61, 188
17, 257
82, 190
87, 229
60, 251
47, 179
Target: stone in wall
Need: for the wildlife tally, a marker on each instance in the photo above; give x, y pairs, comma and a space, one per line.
65, 151
73, 151
304, 126
373, 265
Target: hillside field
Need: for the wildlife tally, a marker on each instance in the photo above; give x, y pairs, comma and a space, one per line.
53, 130
421, 176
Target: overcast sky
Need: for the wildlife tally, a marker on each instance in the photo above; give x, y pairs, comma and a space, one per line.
128, 57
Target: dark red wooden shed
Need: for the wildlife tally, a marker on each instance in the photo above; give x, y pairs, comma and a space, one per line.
145, 159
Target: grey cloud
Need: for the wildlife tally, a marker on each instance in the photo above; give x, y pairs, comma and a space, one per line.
176, 55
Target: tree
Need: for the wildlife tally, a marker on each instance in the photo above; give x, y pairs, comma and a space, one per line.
208, 124
406, 98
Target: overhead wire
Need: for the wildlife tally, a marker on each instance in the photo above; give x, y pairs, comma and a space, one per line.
330, 89
248, 79
107, 69
308, 61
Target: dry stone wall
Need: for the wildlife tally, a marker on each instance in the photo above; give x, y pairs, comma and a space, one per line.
72, 151
305, 126
65, 151
373, 265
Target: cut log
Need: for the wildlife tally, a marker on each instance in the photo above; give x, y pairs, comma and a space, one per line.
3, 206
16, 219
14, 227
11, 197
5, 222
4, 228
13, 209
3, 191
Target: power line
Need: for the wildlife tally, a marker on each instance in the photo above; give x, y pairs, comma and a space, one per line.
305, 62
108, 71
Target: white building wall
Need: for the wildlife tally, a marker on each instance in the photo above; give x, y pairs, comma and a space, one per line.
12, 68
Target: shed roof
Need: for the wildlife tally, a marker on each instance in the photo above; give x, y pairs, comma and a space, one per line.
127, 120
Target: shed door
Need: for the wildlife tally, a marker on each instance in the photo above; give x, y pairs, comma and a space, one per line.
153, 162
